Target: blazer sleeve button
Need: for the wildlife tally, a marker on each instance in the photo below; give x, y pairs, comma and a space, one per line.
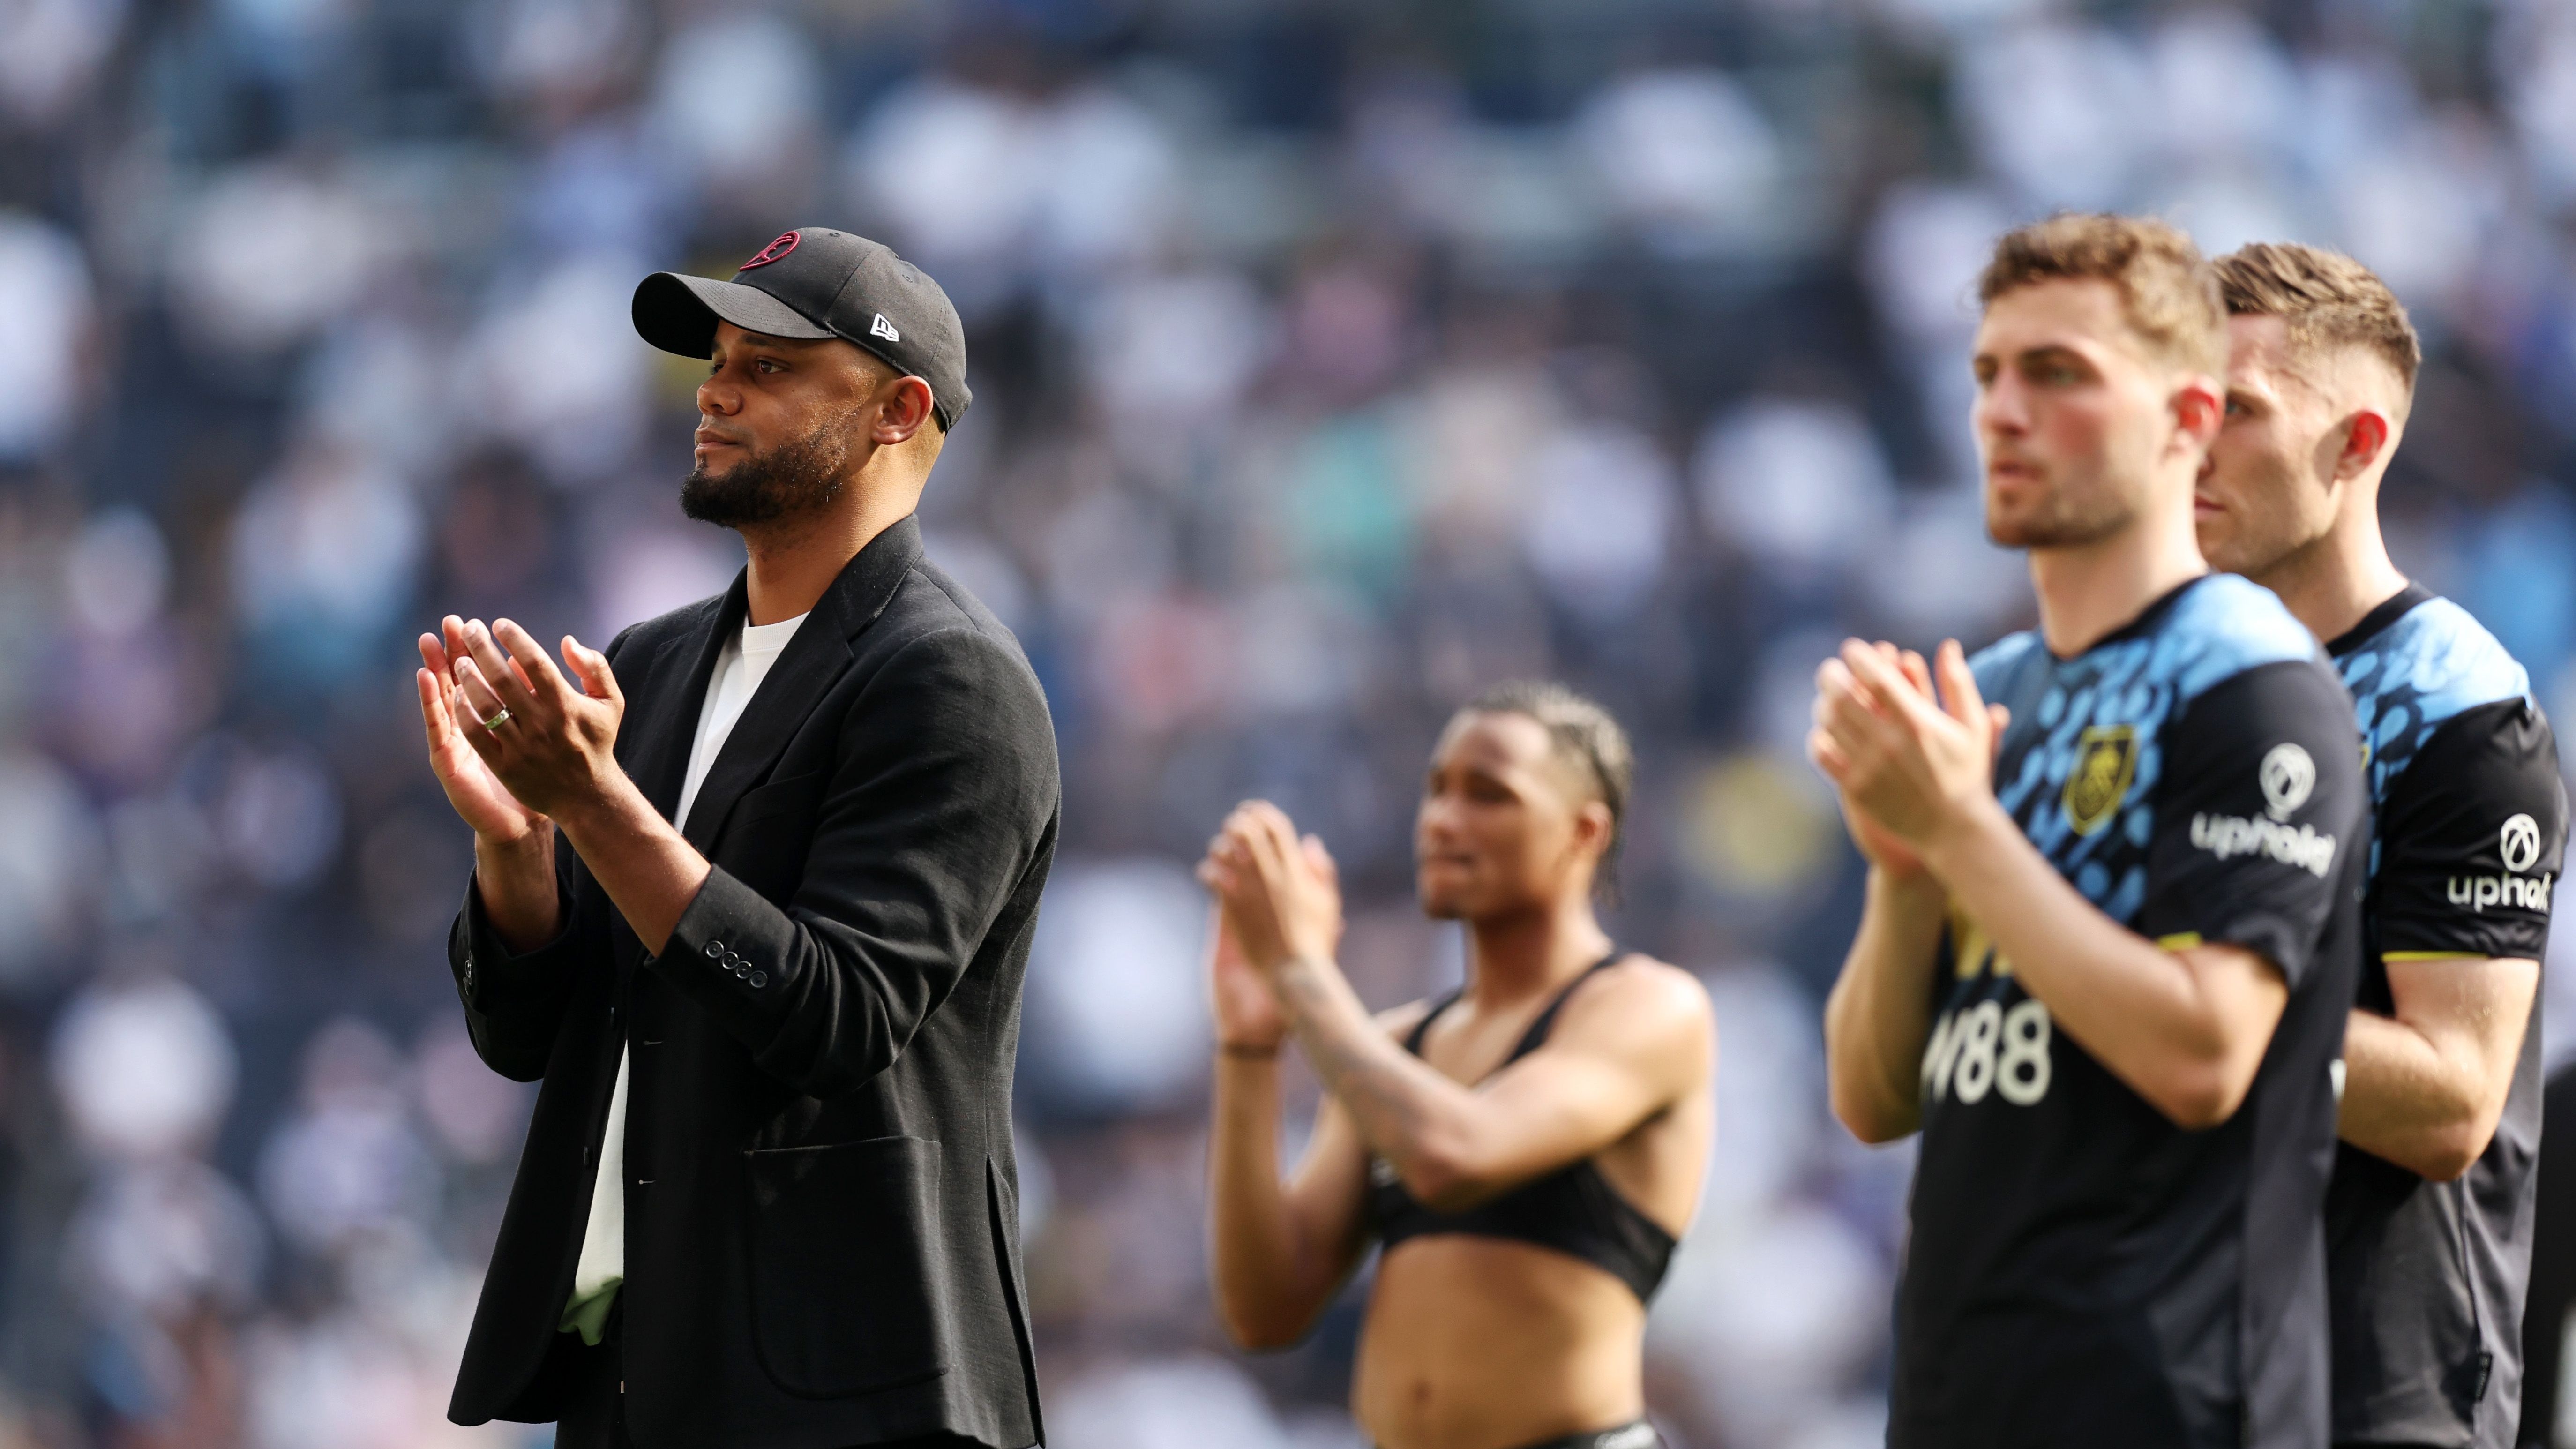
759, 978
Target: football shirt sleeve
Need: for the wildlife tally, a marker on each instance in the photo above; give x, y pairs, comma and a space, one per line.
2258, 802
2472, 838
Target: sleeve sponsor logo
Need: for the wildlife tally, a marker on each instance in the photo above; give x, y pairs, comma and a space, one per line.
2519, 842
2229, 836
2106, 763
2288, 777
2519, 845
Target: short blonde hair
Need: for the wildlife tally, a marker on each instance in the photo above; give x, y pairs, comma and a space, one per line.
2168, 292
2328, 300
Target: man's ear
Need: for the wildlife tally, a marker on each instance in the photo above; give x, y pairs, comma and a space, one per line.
2368, 437
2200, 408
1594, 825
903, 408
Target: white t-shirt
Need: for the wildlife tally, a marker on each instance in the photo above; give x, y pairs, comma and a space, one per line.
739, 670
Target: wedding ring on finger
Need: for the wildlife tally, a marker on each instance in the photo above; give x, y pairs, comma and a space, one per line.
499, 718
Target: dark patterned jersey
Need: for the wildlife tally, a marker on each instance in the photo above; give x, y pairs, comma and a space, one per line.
2081, 1270
2471, 821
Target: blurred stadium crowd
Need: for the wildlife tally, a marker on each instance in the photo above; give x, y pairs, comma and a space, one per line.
1332, 358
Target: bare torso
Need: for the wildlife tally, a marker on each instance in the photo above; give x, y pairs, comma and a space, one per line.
1489, 1343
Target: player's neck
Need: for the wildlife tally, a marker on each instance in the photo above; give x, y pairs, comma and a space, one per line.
1530, 953
2333, 581
2086, 591
795, 561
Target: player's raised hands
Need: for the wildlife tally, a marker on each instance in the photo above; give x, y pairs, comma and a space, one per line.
1246, 1010
1877, 846
476, 794
1281, 893
547, 741
1910, 760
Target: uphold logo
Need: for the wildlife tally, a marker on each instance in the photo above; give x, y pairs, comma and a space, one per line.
2229, 836
2520, 849
2288, 777
2520, 842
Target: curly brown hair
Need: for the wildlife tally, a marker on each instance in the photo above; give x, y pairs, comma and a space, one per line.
2168, 292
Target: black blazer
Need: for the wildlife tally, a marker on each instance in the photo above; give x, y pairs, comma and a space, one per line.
822, 1211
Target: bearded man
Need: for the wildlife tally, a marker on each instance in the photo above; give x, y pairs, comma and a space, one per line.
772, 989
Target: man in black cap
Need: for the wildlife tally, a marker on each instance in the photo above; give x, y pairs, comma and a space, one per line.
772, 991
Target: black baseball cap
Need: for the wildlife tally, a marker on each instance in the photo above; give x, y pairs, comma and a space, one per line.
813, 283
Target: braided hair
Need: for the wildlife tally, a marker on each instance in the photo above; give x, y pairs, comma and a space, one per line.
1583, 735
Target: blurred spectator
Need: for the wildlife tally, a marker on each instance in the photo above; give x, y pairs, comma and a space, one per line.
1794, 485
348, 1163
1599, 525
144, 1070
49, 52
48, 862
736, 100
2059, 111
323, 555
1687, 159
556, 367
268, 254
1180, 1404
1115, 1009
47, 317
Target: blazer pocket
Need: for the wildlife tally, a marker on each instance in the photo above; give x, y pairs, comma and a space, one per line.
848, 1273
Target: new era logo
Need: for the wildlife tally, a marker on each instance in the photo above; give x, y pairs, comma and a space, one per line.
882, 328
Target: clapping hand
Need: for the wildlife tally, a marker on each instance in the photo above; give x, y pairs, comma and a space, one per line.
1247, 1011
1281, 895
1906, 760
512, 740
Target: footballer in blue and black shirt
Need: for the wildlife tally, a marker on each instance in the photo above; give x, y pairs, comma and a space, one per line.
2112, 923
2429, 1218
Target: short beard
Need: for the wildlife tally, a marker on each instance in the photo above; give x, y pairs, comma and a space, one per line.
2286, 557
798, 477
2064, 523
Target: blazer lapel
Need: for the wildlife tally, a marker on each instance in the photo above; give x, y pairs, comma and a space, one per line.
814, 659
665, 736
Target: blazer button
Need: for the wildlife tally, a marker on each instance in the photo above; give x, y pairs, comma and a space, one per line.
715, 948
760, 978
